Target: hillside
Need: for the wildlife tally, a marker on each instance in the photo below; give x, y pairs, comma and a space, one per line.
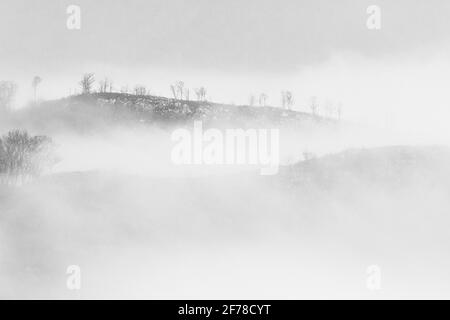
154, 108
389, 167
103, 109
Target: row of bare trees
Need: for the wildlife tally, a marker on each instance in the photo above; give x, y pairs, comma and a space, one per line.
178, 89
329, 110
8, 90
287, 102
180, 92
107, 85
287, 99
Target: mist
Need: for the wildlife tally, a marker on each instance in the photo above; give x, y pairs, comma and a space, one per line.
141, 227
358, 207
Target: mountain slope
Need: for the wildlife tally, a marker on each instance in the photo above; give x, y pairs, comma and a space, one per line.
96, 110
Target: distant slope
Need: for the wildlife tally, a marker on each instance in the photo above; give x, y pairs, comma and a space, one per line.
160, 108
385, 166
99, 109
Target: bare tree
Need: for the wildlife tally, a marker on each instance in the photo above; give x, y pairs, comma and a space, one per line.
87, 82
178, 90
140, 90
8, 90
263, 99
313, 105
287, 99
23, 156
328, 108
339, 111
251, 100
308, 155
124, 89
201, 94
174, 91
103, 85
36, 81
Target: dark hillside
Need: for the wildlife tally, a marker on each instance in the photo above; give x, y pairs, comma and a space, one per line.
101, 109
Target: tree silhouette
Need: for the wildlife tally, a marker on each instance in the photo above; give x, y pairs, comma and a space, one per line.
140, 90
313, 105
178, 90
105, 85
287, 99
263, 99
35, 83
87, 82
251, 100
201, 94
8, 90
23, 156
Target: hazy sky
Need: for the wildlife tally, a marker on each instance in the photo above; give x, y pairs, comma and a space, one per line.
234, 47
235, 35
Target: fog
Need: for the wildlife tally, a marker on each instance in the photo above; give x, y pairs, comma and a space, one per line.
141, 227
359, 207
